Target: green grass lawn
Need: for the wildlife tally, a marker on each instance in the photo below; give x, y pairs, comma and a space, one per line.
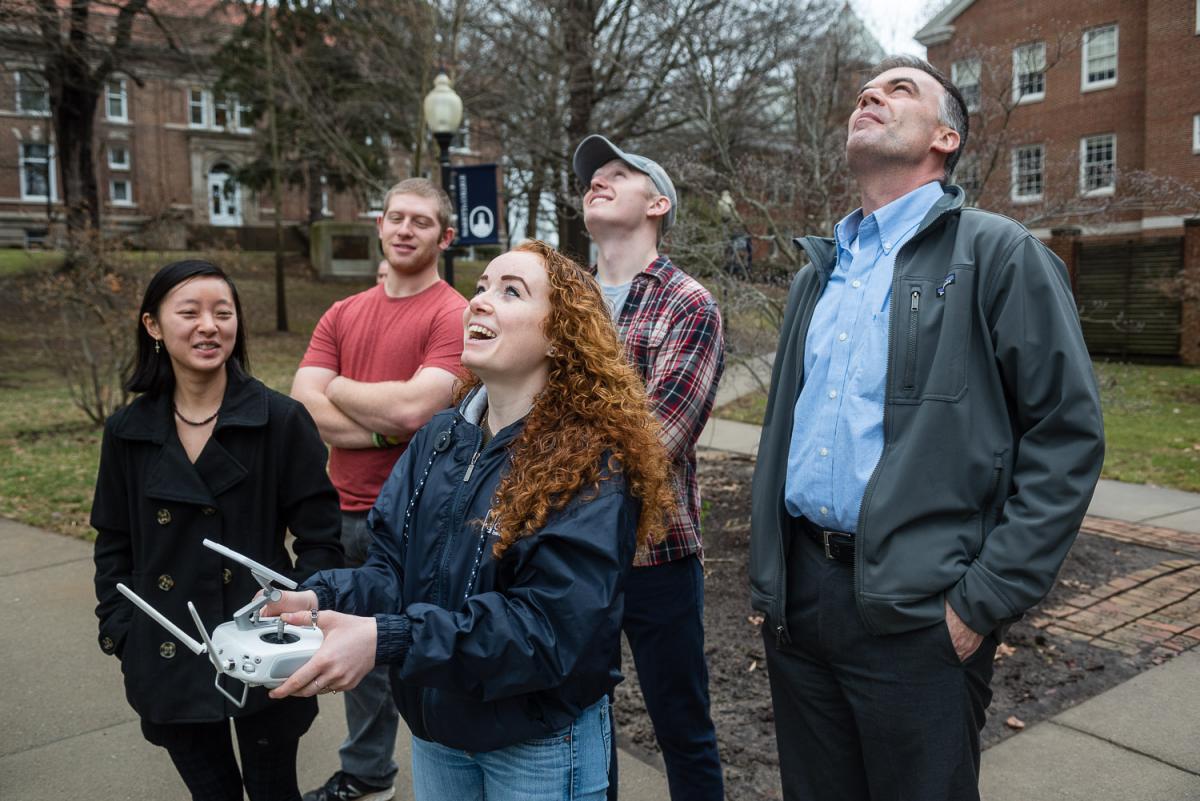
1151, 422
49, 450
14, 261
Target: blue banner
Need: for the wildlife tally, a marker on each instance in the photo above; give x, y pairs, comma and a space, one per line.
475, 201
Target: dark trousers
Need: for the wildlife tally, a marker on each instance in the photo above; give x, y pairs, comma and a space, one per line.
203, 755
664, 623
864, 717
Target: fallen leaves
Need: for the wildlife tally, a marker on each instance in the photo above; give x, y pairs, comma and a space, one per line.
1003, 650
1014, 723
755, 620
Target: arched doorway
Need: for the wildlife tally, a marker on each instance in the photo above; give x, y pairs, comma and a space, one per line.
224, 197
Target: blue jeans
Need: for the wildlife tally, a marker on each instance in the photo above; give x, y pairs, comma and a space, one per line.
368, 751
572, 765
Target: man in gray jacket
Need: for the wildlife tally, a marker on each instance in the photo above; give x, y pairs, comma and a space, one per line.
931, 442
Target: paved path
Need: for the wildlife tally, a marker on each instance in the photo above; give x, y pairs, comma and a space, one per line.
66, 731
69, 734
1139, 741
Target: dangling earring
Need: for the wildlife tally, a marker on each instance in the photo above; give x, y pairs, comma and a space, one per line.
552, 352
157, 345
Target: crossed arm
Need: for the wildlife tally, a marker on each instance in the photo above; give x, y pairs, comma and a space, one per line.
348, 412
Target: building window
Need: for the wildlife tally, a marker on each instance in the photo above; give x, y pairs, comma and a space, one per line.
965, 75
1100, 58
118, 157
221, 113
116, 101
1029, 73
1027, 175
967, 176
33, 95
37, 173
1098, 164
119, 192
1196, 128
243, 115
197, 108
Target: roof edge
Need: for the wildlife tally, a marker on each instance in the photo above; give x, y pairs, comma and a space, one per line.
939, 29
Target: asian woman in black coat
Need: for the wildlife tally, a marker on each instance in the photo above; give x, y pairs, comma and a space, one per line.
205, 451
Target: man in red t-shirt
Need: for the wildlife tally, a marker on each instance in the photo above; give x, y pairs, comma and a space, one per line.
379, 365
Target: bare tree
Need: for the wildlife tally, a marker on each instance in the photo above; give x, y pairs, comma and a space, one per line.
78, 47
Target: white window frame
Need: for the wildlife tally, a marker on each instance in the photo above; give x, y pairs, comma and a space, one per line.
122, 96
1086, 85
240, 113
112, 191
50, 170
119, 165
1015, 180
205, 107
17, 97
1100, 191
957, 70
1196, 127
1018, 60
325, 212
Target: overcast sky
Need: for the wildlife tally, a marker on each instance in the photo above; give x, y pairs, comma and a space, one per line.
895, 21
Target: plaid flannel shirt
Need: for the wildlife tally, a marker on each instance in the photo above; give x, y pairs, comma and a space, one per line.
671, 328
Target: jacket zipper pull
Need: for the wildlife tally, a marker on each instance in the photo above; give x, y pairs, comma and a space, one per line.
471, 466
916, 300
779, 636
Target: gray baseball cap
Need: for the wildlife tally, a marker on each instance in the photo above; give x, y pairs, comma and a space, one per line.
595, 151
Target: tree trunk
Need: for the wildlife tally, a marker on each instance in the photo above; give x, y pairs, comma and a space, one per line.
533, 199
74, 125
312, 177
578, 26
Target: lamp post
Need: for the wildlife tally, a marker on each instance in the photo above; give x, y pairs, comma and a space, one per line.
443, 115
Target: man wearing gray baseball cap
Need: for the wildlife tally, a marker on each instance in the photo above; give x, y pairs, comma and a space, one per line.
672, 332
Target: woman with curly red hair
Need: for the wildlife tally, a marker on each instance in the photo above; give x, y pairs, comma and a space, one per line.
502, 541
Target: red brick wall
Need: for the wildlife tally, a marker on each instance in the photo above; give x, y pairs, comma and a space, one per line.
1149, 109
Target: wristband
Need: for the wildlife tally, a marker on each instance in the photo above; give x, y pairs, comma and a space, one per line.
383, 441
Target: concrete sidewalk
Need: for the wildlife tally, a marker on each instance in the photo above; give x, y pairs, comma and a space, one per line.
66, 731
1139, 741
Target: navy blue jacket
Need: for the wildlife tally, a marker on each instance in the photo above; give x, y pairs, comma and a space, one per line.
534, 640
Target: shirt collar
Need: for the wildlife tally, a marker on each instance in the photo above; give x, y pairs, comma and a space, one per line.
895, 220
659, 269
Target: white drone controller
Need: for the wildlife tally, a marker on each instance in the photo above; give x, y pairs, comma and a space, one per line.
254, 651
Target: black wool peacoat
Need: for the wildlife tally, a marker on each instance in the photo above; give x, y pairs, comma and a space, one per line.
261, 474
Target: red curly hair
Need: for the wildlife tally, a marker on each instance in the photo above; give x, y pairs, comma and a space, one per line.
593, 403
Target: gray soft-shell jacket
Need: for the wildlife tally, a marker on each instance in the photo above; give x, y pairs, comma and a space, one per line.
993, 438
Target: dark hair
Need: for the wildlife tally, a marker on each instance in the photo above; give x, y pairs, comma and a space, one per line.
152, 371
952, 110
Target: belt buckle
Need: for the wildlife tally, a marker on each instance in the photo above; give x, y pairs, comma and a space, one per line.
825, 538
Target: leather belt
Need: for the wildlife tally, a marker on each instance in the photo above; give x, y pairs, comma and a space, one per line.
837, 545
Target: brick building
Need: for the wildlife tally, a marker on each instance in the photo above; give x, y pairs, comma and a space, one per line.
165, 150
1085, 124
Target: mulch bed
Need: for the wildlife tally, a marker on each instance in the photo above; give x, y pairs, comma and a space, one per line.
1042, 676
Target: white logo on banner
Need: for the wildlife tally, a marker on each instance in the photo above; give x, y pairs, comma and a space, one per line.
481, 222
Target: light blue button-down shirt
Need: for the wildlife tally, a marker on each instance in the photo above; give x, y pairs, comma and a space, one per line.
837, 430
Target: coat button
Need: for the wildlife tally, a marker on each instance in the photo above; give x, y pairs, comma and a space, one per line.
165, 582
227, 575
107, 645
208, 511
163, 517
167, 650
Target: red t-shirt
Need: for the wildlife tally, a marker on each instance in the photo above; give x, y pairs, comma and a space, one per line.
372, 337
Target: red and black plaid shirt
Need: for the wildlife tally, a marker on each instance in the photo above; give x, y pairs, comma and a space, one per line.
671, 328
